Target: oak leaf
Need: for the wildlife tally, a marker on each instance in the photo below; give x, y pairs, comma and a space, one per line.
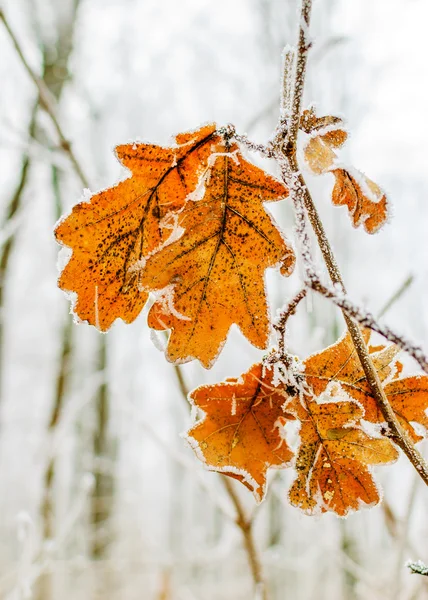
217, 266
334, 458
325, 135
241, 432
119, 226
339, 363
366, 202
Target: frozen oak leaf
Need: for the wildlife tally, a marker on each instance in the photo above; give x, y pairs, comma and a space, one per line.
325, 134
334, 458
340, 364
366, 202
121, 225
241, 431
217, 266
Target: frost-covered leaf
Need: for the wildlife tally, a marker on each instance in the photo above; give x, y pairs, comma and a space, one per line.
366, 202
409, 399
119, 226
325, 134
241, 431
217, 266
339, 364
334, 458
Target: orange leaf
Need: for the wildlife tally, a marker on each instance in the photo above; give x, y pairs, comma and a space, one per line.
240, 434
366, 202
325, 133
409, 399
339, 364
112, 232
333, 460
217, 266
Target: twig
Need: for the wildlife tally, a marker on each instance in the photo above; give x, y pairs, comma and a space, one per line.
245, 525
287, 152
366, 319
47, 102
397, 295
417, 568
281, 324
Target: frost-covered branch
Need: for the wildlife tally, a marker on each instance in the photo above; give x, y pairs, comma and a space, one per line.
418, 567
304, 205
367, 319
281, 323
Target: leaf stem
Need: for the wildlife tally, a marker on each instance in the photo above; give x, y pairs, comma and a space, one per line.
301, 194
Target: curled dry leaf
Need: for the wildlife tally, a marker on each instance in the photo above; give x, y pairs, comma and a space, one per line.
366, 202
326, 134
112, 232
334, 456
217, 266
241, 432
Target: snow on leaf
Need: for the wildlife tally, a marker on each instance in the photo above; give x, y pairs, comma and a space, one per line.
334, 457
217, 266
367, 204
116, 228
240, 434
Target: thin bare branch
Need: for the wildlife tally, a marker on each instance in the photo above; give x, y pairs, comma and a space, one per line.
397, 295
46, 101
245, 525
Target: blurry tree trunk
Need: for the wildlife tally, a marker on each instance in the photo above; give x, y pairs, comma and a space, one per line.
55, 74
103, 450
8, 245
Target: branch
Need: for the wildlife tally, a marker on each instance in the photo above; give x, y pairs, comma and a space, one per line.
281, 324
46, 102
286, 153
417, 568
397, 295
366, 319
245, 525
294, 95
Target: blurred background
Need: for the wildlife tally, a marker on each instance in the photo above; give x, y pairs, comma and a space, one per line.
100, 496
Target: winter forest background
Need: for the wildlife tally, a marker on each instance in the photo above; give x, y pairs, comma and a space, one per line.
100, 497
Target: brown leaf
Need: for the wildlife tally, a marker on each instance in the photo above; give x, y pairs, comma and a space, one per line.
368, 207
325, 133
240, 434
112, 232
334, 456
217, 266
